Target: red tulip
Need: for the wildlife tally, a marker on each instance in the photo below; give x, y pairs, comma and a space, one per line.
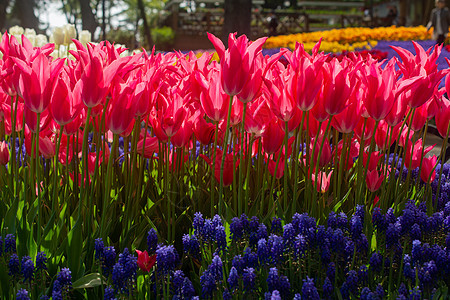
322, 182
346, 120
121, 110
273, 137
65, 104
443, 117
397, 113
31, 119
46, 147
204, 132
213, 100
36, 81
414, 154
98, 74
151, 146
4, 153
337, 87
272, 164
324, 153
306, 83
368, 128
228, 171
419, 119
237, 61
374, 179
428, 164
280, 101
144, 261
374, 159
258, 117
380, 85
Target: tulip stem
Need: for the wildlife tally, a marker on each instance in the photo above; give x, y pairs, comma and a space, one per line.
286, 133
85, 153
55, 204
442, 158
371, 149
216, 133
249, 165
107, 193
241, 150
38, 187
224, 153
13, 144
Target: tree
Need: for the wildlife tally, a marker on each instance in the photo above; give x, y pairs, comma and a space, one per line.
87, 16
3, 6
237, 17
147, 32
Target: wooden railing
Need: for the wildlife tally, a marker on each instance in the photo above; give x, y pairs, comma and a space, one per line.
308, 17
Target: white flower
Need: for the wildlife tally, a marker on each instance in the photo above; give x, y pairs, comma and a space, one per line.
16, 30
41, 40
69, 33
58, 36
85, 37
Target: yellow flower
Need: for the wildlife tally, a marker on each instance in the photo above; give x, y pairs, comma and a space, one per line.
358, 37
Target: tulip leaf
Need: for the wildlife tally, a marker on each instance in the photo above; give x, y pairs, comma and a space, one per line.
88, 281
75, 248
10, 217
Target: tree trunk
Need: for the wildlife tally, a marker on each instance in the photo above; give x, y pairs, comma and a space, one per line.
24, 10
3, 5
147, 32
428, 7
402, 13
238, 14
87, 16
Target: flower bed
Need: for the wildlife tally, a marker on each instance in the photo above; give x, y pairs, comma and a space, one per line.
349, 36
101, 149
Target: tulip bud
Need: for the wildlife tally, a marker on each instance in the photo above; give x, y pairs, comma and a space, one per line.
58, 36
84, 37
16, 30
41, 40
69, 33
144, 261
30, 34
46, 147
4, 153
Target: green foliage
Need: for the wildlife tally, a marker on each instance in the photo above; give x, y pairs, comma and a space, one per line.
163, 37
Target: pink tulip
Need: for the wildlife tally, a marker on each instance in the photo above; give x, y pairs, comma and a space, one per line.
229, 170
144, 261
414, 154
203, 131
443, 117
273, 136
237, 61
4, 153
428, 164
65, 103
419, 119
324, 153
151, 146
322, 182
380, 85
212, 98
280, 101
36, 81
374, 179
337, 87
122, 107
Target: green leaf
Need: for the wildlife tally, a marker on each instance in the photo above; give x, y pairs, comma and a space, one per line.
75, 248
88, 281
10, 217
